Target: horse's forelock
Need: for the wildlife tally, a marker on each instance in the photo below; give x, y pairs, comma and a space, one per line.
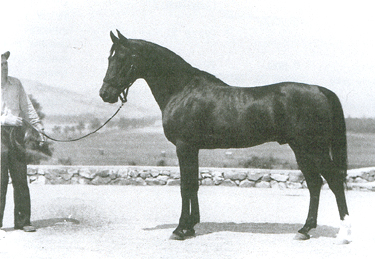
112, 50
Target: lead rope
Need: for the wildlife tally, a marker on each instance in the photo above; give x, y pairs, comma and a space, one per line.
123, 101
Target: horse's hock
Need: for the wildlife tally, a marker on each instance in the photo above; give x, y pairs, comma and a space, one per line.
357, 179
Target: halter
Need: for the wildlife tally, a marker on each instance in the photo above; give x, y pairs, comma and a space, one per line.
124, 92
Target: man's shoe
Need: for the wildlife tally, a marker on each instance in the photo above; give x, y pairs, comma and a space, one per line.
27, 228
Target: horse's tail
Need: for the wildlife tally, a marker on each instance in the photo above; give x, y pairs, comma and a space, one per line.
338, 143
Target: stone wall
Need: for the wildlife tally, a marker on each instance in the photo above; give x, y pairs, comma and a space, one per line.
358, 179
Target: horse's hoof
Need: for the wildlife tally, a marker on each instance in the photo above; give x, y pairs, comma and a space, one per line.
190, 233
301, 236
177, 235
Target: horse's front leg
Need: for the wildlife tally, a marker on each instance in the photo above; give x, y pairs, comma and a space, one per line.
188, 160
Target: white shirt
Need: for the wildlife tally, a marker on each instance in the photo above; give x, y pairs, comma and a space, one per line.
14, 101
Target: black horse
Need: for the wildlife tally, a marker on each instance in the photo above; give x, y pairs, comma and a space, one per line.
200, 111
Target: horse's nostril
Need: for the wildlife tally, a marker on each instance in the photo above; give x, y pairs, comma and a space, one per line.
103, 94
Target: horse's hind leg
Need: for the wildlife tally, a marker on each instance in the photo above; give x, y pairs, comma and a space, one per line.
336, 180
315, 160
188, 160
310, 160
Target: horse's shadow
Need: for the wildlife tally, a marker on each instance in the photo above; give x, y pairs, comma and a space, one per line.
45, 223
255, 228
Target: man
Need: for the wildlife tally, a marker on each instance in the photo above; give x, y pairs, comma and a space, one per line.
15, 107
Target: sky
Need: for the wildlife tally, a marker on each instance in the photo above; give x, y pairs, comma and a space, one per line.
245, 43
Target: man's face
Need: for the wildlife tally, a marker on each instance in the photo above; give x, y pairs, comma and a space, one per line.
4, 63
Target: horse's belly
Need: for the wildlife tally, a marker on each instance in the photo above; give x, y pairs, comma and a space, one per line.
220, 137
212, 141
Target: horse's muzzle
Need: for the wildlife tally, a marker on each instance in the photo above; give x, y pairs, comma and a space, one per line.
108, 94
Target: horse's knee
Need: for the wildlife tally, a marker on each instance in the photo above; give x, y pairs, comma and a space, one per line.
314, 183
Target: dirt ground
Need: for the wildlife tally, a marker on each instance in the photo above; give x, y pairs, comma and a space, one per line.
80, 221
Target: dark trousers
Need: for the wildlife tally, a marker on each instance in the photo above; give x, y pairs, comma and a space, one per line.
13, 163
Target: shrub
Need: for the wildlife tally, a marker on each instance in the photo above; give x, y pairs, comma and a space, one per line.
132, 163
266, 163
65, 161
161, 163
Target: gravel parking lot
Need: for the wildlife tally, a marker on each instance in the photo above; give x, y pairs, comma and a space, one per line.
81, 221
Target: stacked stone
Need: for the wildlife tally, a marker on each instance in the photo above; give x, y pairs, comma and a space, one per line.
358, 179
253, 178
102, 176
361, 179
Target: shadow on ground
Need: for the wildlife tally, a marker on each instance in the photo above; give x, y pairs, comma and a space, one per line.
255, 228
44, 223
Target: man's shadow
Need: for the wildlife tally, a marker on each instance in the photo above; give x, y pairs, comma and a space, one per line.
44, 223
255, 228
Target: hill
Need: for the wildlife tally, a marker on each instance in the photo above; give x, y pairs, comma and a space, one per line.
57, 102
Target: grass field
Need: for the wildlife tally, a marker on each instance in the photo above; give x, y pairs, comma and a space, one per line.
142, 147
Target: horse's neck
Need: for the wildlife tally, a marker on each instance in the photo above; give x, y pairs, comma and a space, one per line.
163, 86
167, 73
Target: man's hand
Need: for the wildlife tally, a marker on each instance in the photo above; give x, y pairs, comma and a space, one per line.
11, 120
42, 137
41, 133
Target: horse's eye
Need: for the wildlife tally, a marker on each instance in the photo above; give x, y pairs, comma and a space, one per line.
112, 54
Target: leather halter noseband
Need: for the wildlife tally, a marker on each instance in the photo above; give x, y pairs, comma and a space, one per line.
124, 92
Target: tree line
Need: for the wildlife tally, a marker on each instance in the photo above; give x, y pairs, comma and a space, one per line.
360, 125
94, 123
355, 125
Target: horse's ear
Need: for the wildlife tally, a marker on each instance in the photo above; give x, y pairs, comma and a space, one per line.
114, 38
122, 38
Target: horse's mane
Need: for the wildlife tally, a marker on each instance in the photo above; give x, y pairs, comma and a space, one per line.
153, 51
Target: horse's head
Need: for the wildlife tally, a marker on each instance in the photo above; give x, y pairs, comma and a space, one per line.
122, 69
